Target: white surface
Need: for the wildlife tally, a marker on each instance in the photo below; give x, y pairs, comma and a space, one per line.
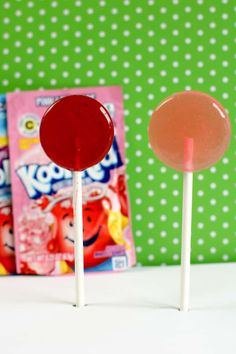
78, 236
131, 312
186, 240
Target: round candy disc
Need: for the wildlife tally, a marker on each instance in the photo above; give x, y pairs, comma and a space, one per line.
76, 132
189, 131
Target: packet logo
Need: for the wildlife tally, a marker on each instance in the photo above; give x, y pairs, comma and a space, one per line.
29, 125
49, 179
43, 179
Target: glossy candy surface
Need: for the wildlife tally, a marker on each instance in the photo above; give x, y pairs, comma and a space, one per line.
76, 132
189, 131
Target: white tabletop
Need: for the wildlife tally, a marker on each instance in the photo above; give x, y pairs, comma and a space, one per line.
132, 312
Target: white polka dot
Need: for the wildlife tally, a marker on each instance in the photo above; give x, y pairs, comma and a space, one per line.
175, 209
225, 225
151, 209
225, 193
151, 225
138, 233
200, 209
225, 257
163, 233
213, 234
163, 201
138, 217
151, 241
200, 241
225, 209
29, 82
175, 241
163, 217
150, 193
175, 257
151, 177
200, 257
200, 225
151, 257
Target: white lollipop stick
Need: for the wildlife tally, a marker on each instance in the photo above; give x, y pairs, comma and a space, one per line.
78, 235
186, 226
186, 240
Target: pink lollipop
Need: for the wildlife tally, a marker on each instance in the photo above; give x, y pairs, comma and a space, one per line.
189, 131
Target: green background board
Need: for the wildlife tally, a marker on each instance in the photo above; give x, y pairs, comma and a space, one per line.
151, 48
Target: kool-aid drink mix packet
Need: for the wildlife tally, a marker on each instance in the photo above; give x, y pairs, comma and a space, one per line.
42, 192
7, 250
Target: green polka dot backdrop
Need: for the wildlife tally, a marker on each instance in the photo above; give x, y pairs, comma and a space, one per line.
152, 48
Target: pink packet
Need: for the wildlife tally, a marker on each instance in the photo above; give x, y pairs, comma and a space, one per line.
42, 192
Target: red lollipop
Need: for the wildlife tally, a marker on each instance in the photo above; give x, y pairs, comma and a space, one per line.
189, 131
76, 132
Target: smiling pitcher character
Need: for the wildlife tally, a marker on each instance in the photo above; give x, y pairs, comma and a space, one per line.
102, 227
96, 234
97, 237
